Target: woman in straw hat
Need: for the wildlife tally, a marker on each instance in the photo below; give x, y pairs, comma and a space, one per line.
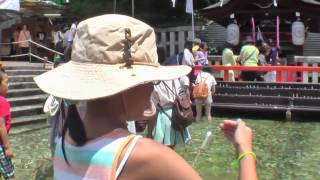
109, 78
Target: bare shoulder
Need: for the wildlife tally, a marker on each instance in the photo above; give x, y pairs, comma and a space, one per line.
147, 150
156, 161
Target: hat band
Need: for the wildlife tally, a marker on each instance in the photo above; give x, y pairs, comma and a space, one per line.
142, 63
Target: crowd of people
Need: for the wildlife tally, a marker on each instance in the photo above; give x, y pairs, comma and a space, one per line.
267, 54
21, 35
62, 37
94, 141
117, 57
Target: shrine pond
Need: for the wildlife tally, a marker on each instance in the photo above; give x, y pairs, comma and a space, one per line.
285, 150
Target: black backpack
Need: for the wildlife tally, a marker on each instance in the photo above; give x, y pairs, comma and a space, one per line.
182, 114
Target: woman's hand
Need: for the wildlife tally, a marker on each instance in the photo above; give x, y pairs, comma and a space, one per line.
239, 134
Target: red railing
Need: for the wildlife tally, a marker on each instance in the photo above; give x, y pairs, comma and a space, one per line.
281, 70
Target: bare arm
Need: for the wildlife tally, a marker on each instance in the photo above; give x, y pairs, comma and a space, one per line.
241, 136
213, 89
239, 57
151, 160
4, 138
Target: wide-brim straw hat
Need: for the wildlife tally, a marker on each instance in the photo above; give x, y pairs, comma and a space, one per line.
99, 65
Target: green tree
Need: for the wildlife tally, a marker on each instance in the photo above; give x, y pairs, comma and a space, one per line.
150, 11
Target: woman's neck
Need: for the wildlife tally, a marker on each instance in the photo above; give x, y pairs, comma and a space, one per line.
102, 117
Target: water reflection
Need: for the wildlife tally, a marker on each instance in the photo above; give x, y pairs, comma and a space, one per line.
284, 151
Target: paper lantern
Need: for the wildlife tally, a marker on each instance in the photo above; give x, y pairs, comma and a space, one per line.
298, 33
233, 34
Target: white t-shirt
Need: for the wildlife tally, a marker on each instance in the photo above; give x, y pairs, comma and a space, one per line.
208, 78
184, 81
187, 58
162, 95
73, 30
57, 37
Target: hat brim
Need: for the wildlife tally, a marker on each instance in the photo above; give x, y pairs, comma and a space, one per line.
86, 81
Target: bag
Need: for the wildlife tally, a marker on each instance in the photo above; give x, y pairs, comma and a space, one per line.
200, 90
176, 59
182, 114
250, 55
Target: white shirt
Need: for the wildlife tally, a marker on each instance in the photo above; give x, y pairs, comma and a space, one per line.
73, 30
57, 37
184, 81
208, 78
187, 58
164, 96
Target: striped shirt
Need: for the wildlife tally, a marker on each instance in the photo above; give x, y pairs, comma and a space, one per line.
94, 160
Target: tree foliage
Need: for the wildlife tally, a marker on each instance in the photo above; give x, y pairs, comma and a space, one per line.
150, 11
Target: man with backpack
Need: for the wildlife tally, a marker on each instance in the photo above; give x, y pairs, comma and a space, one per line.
203, 90
249, 56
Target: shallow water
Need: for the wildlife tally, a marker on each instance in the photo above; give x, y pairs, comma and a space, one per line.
285, 150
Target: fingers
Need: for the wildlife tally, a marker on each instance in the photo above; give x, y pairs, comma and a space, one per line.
228, 124
228, 134
241, 123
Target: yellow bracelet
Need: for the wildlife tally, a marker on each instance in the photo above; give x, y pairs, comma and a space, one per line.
236, 163
247, 153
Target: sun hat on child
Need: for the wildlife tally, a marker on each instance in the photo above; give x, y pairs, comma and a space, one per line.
110, 54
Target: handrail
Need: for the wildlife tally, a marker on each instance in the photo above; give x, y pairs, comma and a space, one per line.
264, 68
30, 53
44, 60
279, 69
37, 44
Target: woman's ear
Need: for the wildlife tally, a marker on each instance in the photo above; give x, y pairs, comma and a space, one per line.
136, 100
150, 112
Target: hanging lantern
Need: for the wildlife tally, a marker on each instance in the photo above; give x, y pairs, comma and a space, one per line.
298, 33
233, 34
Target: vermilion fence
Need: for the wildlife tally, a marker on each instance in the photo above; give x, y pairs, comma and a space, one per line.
284, 73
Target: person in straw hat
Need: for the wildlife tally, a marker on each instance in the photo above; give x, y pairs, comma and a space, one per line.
109, 80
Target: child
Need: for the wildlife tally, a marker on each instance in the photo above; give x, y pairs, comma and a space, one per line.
206, 76
6, 167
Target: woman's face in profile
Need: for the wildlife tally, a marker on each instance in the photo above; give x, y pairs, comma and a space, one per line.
137, 100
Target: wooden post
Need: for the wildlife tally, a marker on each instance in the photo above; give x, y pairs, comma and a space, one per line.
315, 75
114, 6
226, 75
290, 76
305, 74
278, 76
172, 43
132, 6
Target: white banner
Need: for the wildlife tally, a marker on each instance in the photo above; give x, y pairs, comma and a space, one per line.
10, 4
173, 3
189, 6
